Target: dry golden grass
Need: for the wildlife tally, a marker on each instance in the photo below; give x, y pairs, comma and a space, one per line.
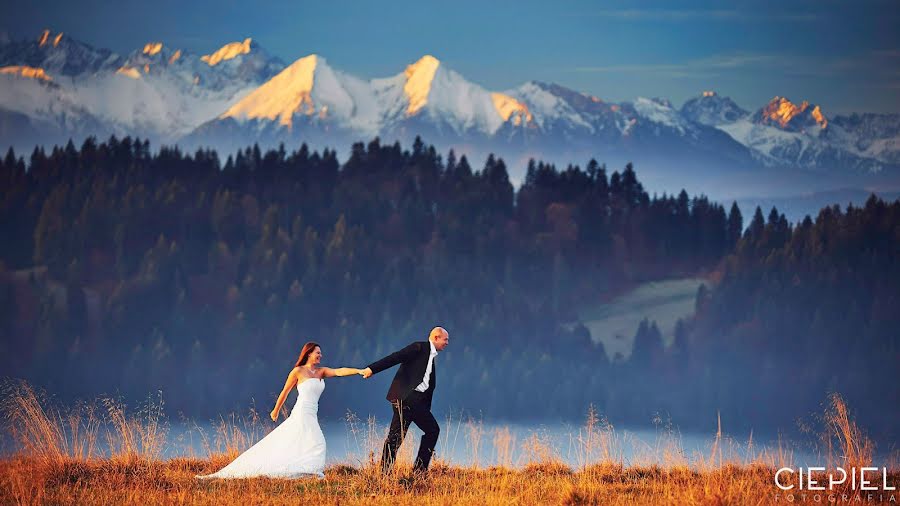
59, 462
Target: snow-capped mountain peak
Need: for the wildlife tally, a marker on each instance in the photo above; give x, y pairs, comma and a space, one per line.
57, 55
419, 77
233, 67
780, 110
787, 115
284, 95
434, 93
152, 48
463, 105
228, 52
785, 133
712, 109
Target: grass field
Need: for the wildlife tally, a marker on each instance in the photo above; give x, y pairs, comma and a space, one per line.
615, 322
56, 461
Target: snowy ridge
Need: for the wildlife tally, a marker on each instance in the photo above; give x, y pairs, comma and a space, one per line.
548, 107
54, 86
871, 135
712, 109
425, 90
661, 111
784, 133
227, 52
155, 91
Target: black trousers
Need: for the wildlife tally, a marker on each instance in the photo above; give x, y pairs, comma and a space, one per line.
415, 409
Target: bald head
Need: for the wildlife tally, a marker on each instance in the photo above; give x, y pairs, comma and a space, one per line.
439, 337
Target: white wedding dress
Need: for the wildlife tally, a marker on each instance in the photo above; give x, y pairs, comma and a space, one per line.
294, 449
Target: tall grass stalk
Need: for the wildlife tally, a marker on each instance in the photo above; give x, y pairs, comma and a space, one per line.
59, 460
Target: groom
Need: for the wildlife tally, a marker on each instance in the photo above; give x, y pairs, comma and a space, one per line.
410, 396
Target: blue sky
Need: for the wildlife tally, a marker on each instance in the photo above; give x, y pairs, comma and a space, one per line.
844, 55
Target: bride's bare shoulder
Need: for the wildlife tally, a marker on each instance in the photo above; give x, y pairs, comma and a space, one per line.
302, 375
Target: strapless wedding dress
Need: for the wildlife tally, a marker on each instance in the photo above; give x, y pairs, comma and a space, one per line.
294, 449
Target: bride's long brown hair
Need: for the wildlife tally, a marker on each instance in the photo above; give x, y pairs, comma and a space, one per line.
304, 353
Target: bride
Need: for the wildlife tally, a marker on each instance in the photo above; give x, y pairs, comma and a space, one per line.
295, 448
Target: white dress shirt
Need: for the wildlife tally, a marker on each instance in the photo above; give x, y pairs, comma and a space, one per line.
423, 386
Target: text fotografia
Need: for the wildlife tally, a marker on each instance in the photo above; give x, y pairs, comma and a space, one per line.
856, 485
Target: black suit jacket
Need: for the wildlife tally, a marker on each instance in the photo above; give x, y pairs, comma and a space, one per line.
413, 361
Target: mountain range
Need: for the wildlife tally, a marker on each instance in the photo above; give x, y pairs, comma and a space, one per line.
55, 88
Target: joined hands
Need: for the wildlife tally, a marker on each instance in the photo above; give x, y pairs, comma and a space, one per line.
365, 373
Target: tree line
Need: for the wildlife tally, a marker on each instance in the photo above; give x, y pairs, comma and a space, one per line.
137, 270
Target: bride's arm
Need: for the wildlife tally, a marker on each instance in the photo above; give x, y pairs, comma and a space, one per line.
340, 371
289, 384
